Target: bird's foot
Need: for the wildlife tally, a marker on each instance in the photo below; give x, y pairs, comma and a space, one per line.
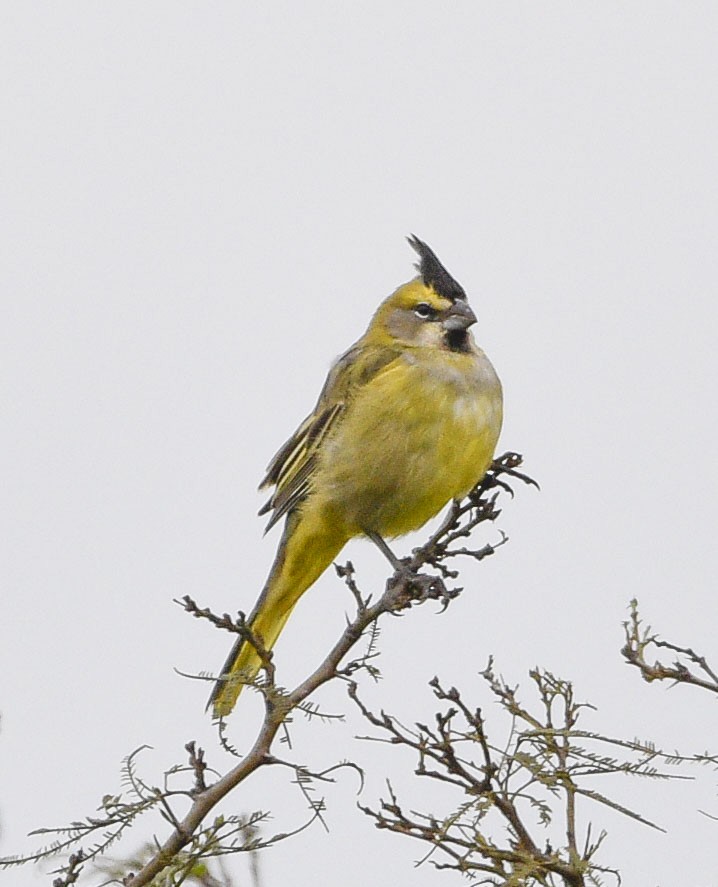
415, 588
408, 586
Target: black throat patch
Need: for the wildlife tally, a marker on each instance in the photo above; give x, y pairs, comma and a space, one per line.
457, 340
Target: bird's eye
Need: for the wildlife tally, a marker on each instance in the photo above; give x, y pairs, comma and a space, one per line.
425, 311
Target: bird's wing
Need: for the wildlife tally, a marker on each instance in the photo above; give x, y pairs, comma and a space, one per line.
290, 471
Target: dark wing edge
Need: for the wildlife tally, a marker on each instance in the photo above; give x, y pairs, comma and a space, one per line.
290, 471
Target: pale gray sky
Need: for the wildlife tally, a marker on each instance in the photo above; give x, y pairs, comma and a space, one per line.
202, 206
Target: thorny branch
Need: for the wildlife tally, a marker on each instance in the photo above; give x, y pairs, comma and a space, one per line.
542, 769
189, 840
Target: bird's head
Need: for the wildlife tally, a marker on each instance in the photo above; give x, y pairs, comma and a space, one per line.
431, 310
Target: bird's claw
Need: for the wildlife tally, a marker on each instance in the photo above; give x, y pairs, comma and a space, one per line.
416, 588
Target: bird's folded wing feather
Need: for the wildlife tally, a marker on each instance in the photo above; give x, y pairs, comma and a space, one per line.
291, 469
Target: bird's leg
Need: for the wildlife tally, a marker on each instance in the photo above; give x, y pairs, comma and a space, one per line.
415, 586
386, 551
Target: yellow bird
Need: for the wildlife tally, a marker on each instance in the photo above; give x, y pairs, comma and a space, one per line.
408, 419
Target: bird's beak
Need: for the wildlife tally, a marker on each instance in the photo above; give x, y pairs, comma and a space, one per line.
458, 317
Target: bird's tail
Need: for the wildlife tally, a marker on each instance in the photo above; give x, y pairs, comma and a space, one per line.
309, 544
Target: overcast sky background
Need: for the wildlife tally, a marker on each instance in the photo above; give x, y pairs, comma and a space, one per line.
202, 206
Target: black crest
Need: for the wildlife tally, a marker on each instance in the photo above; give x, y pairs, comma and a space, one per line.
433, 272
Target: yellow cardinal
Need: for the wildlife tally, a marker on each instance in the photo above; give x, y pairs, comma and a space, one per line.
408, 419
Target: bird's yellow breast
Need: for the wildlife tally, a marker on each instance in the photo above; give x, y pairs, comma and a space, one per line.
422, 432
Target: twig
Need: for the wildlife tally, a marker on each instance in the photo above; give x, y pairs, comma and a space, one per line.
639, 641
